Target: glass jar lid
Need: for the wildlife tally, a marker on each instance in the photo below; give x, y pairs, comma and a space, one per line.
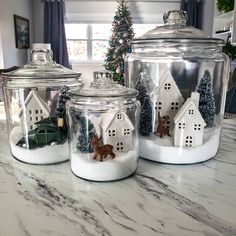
103, 86
42, 67
175, 31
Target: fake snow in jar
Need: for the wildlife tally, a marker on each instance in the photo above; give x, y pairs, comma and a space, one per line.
182, 76
103, 126
35, 97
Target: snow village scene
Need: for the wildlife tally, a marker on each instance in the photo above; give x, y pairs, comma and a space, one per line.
104, 146
175, 129
41, 133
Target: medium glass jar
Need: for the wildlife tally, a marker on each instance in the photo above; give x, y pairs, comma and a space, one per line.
182, 76
35, 97
104, 127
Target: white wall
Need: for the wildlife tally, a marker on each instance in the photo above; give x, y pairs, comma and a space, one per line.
12, 55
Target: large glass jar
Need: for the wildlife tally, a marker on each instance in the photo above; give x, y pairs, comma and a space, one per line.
182, 76
35, 97
103, 126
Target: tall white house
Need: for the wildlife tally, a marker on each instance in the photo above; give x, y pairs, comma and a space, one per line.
189, 124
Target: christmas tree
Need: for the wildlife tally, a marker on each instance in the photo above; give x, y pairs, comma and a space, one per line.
122, 33
86, 132
61, 104
146, 106
207, 106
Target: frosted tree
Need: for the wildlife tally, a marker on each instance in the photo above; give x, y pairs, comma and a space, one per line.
146, 106
86, 132
61, 102
207, 106
119, 46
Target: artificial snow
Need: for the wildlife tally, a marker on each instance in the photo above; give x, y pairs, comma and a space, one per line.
163, 150
42, 155
123, 165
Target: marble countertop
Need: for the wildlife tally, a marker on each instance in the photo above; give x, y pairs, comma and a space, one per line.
159, 199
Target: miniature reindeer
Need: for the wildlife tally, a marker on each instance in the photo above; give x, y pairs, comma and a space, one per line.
163, 128
101, 150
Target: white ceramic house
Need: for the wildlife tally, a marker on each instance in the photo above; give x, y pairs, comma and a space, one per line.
167, 97
117, 131
33, 109
189, 124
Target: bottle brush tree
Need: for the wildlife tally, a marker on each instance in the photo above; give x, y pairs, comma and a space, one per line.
119, 46
146, 106
207, 106
86, 133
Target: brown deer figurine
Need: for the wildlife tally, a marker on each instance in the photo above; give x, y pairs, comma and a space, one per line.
100, 150
163, 127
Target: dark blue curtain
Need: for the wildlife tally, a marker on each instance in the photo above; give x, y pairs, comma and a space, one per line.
54, 30
194, 9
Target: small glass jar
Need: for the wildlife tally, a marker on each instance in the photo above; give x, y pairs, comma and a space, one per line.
35, 97
103, 126
182, 76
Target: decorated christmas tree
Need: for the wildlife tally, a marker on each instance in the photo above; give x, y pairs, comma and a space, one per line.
61, 102
146, 106
122, 32
86, 133
207, 106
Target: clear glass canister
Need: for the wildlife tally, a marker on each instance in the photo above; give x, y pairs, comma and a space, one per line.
103, 123
182, 76
35, 97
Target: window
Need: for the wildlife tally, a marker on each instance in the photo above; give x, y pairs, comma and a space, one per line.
197, 126
31, 118
36, 118
41, 111
190, 112
167, 86
126, 132
119, 116
182, 126
31, 126
111, 132
120, 146
36, 111
88, 42
189, 141
174, 106
158, 106
30, 112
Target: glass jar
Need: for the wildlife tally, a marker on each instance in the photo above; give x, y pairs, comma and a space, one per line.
182, 76
103, 123
35, 97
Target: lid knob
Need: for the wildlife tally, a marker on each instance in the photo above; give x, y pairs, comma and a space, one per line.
102, 79
175, 17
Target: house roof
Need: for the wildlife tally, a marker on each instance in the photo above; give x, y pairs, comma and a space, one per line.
190, 103
35, 95
165, 77
108, 118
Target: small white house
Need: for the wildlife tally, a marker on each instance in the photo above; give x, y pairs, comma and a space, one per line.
189, 124
117, 131
167, 97
33, 109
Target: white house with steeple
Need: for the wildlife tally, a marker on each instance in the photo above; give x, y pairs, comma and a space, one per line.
166, 97
189, 124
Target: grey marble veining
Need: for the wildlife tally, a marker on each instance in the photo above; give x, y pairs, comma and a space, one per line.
159, 199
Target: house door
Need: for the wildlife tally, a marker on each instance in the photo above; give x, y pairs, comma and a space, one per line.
120, 146
188, 141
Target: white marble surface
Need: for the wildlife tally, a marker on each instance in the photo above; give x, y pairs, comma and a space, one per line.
159, 199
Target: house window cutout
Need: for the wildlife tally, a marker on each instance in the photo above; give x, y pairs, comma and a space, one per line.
111, 132
167, 86
174, 106
158, 106
190, 112
31, 127
126, 132
188, 141
167, 124
119, 116
41, 111
30, 112
36, 118
120, 146
31, 118
197, 126
182, 125
36, 111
